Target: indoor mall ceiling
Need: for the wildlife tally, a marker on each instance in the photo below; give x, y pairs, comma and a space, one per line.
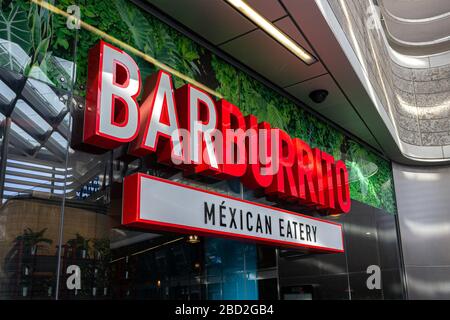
417, 26
416, 9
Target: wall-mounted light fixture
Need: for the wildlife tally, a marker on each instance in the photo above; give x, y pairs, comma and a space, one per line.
271, 30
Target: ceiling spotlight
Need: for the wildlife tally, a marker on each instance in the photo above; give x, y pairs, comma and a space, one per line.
271, 30
193, 238
318, 96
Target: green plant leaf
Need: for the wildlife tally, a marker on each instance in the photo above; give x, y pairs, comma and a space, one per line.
14, 29
64, 43
137, 25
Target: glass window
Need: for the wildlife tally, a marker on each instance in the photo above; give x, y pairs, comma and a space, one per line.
36, 43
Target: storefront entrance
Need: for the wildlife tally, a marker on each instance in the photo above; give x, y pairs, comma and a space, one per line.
61, 230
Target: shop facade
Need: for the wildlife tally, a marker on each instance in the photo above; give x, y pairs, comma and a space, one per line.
63, 229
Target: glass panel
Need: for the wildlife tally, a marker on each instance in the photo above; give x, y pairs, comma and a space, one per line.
87, 224
31, 192
34, 78
36, 43
231, 270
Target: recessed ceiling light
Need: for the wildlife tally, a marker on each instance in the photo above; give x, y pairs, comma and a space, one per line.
272, 31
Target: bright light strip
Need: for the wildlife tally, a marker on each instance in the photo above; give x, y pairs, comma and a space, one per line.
271, 30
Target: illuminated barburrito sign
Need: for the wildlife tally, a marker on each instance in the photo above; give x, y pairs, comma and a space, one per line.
154, 203
188, 129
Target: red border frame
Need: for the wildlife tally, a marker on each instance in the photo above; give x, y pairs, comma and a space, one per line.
131, 215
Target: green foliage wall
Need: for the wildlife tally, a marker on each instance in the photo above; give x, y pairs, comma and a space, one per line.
371, 176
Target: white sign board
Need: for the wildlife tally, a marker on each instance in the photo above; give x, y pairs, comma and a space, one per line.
156, 204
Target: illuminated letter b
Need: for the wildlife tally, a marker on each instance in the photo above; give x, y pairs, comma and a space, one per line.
112, 113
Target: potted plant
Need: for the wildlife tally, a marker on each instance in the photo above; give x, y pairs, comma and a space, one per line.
30, 240
25, 248
101, 248
80, 245
102, 254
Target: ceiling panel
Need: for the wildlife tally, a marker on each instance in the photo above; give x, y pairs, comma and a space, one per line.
215, 20
269, 9
335, 98
267, 57
335, 107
